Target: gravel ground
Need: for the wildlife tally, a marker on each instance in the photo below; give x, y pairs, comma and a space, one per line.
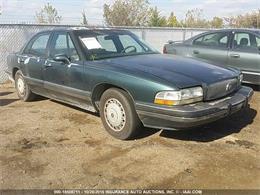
48, 145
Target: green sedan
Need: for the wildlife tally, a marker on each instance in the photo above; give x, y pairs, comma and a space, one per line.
237, 48
131, 85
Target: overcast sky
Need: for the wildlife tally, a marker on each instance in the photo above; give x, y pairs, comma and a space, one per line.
70, 10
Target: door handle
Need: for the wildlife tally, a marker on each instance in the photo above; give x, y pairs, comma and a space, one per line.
20, 60
234, 55
196, 52
47, 65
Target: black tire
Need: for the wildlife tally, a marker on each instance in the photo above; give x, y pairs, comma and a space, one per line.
131, 122
25, 95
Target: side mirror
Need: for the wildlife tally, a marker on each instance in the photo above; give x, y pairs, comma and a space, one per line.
61, 58
170, 41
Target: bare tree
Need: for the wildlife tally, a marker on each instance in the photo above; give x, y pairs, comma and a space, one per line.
194, 18
127, 13
84, 18
248, 20
48, 15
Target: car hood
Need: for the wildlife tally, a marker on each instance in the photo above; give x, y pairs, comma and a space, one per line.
181, 72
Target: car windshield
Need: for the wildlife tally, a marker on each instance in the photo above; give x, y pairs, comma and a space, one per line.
109, 44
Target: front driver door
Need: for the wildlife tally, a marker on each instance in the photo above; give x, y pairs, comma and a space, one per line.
55, 72
65, 81
245, 55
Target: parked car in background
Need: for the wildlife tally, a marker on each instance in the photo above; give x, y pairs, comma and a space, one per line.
131, 85
238, 48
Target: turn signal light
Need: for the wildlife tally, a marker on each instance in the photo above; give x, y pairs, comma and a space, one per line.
164, 102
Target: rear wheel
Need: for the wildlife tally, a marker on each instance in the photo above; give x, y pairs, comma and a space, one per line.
22, 88
118, 114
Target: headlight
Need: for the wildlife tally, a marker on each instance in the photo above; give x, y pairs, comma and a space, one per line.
184, 96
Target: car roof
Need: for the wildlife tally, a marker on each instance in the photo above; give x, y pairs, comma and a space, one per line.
224, 30
82, 29
232, 29
240, 29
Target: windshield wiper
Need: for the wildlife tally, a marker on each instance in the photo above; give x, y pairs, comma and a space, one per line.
120, 55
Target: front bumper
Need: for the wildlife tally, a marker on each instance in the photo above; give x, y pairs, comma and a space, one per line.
186, 116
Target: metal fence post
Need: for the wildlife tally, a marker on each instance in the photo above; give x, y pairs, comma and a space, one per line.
184, 34
143, 34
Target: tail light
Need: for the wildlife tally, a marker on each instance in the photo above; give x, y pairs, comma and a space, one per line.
164, 50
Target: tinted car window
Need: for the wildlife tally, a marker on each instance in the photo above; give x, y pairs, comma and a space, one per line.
219, 39
245, 41
39, 45
258, 42
64, 45
73, 54
127, 41
60, 45
242, 40
107, 44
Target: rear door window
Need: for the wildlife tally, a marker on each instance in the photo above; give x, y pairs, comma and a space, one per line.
219, 40
38, 46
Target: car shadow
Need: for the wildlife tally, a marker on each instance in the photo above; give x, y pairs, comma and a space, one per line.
5, 102
76, 108
39, 98
205, 133
145, 132
5, 93
216, 130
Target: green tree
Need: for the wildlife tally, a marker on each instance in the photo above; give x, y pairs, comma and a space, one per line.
48, 15
216, 22
172, 21
127, 13
155, 19
194, 18
84, 19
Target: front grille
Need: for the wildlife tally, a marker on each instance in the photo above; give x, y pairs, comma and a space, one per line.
221, 89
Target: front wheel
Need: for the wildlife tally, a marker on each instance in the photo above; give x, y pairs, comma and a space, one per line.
118, 114
22, 88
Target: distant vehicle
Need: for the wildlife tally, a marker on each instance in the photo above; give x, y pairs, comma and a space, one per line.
238, 48
116, 74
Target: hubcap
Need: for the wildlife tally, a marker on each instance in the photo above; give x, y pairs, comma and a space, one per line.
20, 86
114, 114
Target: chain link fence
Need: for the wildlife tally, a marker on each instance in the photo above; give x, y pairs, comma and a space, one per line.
14, 36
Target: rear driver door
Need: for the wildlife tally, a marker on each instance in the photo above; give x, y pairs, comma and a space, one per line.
33, 58
212, 48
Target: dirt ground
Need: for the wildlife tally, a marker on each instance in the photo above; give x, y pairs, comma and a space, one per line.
48, 145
